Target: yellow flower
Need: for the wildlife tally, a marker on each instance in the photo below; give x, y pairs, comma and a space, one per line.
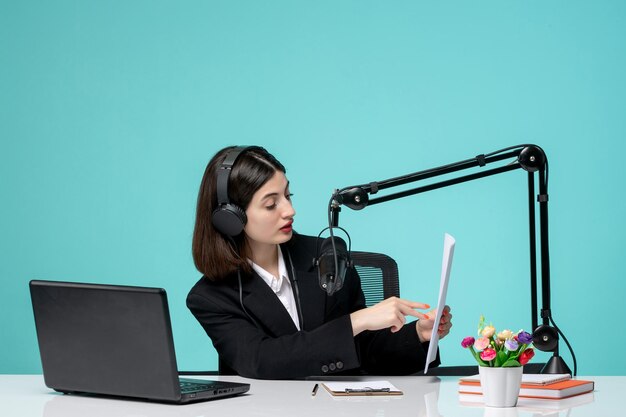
505, 335
488, 331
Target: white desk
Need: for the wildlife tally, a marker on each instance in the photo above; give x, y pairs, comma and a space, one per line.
27, 396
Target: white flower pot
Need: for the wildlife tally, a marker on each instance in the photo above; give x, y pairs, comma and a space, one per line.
500, 386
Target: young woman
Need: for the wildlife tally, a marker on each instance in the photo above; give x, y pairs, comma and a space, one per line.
259, 299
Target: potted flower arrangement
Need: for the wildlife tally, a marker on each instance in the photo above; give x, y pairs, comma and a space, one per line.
500, 356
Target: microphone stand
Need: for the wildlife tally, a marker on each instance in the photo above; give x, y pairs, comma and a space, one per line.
530, 158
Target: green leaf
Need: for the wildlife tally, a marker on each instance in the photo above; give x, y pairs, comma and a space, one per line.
481, 323
501, 358
511, 363
477, 357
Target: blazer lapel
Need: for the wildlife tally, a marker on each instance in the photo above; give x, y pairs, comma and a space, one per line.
261, 302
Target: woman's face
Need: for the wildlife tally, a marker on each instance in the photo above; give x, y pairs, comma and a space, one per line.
270, 213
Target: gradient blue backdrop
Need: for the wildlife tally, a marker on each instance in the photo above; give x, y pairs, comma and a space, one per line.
110, 110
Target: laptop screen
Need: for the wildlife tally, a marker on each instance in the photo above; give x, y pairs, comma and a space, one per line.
105, 339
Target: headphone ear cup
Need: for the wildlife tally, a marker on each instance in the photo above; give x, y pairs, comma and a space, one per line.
229, 219
545, 338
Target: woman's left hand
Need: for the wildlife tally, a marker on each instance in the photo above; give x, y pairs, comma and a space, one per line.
425, 326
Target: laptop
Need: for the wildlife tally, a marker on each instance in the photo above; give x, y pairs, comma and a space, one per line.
113, 340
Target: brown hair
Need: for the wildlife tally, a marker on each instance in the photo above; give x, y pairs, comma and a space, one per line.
213, 253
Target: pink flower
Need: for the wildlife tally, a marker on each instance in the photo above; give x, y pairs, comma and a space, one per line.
481, 343
467, 342
526, 356
488, 354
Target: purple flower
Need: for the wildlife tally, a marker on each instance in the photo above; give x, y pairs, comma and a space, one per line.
467, 342
524, 337
511, 345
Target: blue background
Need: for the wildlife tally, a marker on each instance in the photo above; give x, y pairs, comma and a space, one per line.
109, 112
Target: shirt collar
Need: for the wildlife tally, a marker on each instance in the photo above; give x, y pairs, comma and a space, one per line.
275, 283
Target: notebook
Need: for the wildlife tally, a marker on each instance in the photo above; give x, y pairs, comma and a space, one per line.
556, 390
528, 379
113, 340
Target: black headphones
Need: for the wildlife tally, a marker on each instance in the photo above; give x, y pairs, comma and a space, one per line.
229, 219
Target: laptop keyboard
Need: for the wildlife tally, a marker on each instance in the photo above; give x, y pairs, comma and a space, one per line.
187, 386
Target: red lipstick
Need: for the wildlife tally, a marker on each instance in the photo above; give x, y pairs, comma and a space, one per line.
287, 228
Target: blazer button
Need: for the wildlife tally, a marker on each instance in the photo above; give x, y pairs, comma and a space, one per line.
339, 365
325, 369
332, 366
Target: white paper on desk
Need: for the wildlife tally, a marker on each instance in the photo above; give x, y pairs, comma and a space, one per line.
446, 265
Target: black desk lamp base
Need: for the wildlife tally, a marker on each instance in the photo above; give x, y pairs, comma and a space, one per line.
556, 365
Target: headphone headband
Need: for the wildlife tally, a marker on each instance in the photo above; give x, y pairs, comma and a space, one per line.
223, 173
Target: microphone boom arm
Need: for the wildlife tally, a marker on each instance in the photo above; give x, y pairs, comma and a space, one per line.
530, 158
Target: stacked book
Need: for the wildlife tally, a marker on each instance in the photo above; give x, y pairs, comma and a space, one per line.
536, 389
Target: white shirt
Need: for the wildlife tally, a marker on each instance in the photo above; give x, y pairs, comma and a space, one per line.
281, 286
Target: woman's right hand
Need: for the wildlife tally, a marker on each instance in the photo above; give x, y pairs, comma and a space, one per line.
389, 313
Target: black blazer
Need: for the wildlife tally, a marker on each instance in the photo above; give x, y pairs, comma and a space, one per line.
265, 343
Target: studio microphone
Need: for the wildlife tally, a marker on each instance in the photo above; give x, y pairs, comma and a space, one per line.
331, 275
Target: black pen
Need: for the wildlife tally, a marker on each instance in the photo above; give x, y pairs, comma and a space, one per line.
314, 390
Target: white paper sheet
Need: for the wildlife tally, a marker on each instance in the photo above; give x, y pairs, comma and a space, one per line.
446, 265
